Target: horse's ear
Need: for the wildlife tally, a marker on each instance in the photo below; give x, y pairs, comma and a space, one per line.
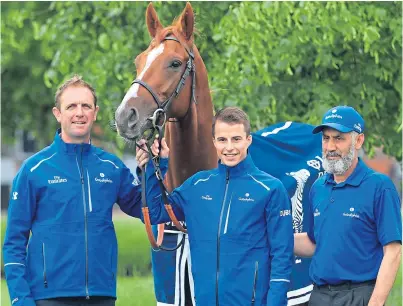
153, 23
186, 21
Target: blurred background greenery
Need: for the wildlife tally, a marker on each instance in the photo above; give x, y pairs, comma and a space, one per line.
277, 60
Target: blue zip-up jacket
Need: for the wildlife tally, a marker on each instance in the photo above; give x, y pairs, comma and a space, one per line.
240, 233
63, 196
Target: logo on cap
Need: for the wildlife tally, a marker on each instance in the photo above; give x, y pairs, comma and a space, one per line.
358, 126
343, 119
334, 116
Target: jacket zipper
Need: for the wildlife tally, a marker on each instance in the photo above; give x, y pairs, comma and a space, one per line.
254, 283
218, 237
85, 223
45, 281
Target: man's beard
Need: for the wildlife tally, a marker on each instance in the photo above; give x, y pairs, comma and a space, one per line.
339, 166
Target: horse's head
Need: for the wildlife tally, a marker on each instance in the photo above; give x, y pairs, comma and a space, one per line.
165, 77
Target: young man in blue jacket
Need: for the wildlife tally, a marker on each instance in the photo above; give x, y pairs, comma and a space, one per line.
60, 245
238, 220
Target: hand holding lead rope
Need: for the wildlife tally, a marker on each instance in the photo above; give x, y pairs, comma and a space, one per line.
143, 155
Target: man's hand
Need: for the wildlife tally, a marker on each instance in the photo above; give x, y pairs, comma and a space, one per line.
142, 156
142, 153
303, 246
164, 151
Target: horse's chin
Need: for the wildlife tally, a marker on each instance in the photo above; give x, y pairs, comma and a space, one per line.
129, 136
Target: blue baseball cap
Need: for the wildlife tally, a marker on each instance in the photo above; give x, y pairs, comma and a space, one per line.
342, 118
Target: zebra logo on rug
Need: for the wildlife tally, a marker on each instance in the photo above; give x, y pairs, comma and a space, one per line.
301, 177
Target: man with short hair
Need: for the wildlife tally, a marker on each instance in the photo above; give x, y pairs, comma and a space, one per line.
238, 221
356, 235
60, 245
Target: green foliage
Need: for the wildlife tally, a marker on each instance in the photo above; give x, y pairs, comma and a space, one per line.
295, 60
277, 60
25, 100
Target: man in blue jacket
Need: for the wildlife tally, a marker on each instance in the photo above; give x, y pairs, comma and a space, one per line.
355, 234
60, 245
238, 220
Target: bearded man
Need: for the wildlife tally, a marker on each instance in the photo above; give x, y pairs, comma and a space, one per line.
356, 233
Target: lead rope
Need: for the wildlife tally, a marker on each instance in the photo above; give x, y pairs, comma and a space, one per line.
157, 244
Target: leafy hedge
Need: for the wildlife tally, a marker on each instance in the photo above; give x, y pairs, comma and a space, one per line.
278, 60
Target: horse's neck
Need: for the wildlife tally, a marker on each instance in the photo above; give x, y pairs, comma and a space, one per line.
190, 139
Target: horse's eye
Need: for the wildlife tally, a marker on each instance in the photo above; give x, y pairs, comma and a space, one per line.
176, 64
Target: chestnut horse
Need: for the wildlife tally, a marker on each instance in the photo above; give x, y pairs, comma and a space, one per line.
171, 81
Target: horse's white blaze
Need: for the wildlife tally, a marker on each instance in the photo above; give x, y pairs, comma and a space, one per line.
151, 57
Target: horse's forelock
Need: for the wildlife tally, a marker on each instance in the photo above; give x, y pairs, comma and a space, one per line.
172, 30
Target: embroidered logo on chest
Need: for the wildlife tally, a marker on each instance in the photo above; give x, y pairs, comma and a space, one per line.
351, 214
57, 180
246, 198
103, 179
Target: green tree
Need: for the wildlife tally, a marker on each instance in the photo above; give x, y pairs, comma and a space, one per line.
25, 100
98, 40
294, 60
277, 60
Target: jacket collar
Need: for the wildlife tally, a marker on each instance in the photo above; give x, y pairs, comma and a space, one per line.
354, 179
240, 169
70, 148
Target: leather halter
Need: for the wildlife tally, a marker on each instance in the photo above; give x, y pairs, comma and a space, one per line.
162, 109
164, 106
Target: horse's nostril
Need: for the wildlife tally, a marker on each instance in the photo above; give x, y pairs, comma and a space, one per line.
133, 118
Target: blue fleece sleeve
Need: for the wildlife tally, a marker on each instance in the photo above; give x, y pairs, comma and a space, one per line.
129, 197
21, 211
281, 242
158, 213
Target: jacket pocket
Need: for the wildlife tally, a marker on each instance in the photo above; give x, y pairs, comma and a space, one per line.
102, 252
227, 217
45, 281
255, 283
